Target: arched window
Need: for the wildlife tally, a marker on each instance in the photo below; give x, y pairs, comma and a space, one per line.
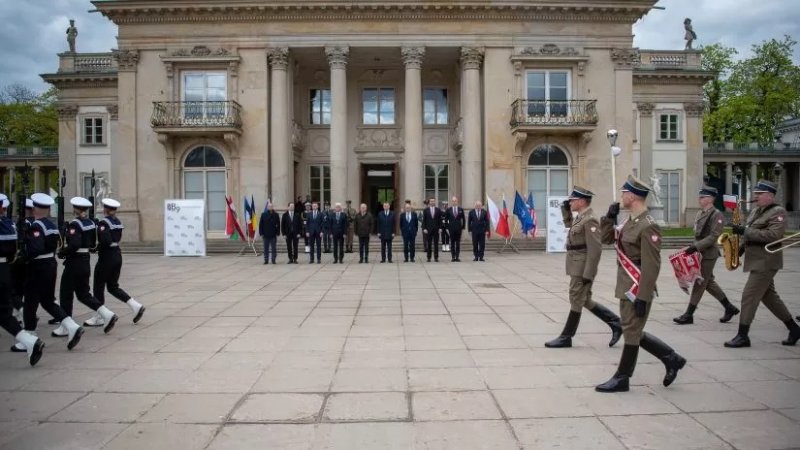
204, 178
548, 174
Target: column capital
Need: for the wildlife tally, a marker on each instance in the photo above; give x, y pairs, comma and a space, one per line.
645, 109
67, 112
278, 57
412, 57
471, 57
127, 60
694, 109
337, 56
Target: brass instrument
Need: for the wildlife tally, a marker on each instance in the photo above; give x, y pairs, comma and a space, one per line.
782, 247
730, 242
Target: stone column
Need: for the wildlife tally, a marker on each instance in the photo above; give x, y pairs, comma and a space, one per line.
337, 58
753, 181
729, 178
645, 139
412, 125
471, 170
11, 175
124, 164
280, 143
36, 180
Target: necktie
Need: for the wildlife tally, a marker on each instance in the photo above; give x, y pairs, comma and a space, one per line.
337, 217
315, 215
408, 217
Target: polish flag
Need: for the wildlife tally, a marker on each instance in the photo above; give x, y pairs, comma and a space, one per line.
729, 201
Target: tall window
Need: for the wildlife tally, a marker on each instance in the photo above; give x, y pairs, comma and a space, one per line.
434, 106
204, 93
93, 131
378, 106
320, 107
437, 182
204, 179
320, 177
669, 127
548, 175
670, 195
547, 92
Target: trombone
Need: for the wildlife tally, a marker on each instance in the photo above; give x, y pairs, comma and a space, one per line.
782, 247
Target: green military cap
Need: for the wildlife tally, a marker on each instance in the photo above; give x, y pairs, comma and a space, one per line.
580, 192
708, 191
636, 186
765, 186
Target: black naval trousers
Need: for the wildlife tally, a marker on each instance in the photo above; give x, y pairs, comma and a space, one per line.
106, 275
18, 274
40, 289
75, 279
7, 320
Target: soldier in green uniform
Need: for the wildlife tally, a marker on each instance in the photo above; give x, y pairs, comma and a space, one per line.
765, 224
351, 216
638, 245
583, 256
708, 226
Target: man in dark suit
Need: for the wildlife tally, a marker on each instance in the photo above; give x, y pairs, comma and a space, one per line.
386, 232
363, 227
326, 227
479, 227
431, 222
314, 232
269, 227
339, 225
456, 220
408, 228
291, 228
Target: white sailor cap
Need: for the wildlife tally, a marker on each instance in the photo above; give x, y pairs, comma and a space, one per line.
111, 203
4, 201
80, 202
40, 200
28, 203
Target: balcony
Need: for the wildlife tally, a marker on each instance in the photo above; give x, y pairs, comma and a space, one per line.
20, 154
194, 118
558, 116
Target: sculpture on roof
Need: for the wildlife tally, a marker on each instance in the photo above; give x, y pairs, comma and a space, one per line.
72, 34
690, 35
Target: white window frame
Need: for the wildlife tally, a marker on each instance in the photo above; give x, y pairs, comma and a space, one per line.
436, 108
312, 113
183, 83
666, 198
547, 73
678, 127
436, 182
394, 102
205, 170
324, 193
94, 135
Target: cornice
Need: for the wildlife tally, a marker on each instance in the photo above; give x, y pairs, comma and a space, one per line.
81, 80
672, 77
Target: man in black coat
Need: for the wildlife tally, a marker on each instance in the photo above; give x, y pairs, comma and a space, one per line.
431, 222
314, 232
386, 232
408, 228
269, 227
456, 221
292, 228
326, 227
338, 225
479, 227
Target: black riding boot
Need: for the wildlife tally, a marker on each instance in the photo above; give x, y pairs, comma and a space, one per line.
741, 339
673, 362
730, 310
686, 318
565, 340
794, 332
620, 382
611, 319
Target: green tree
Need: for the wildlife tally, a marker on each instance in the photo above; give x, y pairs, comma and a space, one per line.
718, 59
28, 119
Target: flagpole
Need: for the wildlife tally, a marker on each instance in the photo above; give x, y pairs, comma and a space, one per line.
507, 243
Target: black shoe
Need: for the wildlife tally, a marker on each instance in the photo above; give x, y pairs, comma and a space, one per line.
361, 261
383, 261
273, 262
435, 259
110, 325
405, 260
36, 354
481, 259
18, 350
413, 260
620, 382
673, 363
289, 262
458, 259
741, 339
390, 261
53, 322
429, 260
266, 262
474, 259
559, 342
685, 319
730, 311
794, 333
570, 327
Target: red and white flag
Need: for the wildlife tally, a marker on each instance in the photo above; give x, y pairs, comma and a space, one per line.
686, 268
729, 201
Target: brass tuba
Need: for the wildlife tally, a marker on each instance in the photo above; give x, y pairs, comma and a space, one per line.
730, 242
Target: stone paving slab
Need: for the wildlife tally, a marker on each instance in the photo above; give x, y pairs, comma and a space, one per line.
232, 354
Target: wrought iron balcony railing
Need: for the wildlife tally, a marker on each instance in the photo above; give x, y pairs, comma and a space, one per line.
556, 113
223, 114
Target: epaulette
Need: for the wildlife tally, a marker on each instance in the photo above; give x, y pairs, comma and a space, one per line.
650, 219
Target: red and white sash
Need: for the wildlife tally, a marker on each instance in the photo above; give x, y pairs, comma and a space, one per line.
633, 271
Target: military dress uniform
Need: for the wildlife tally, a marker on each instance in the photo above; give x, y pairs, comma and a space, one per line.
79, 239
109, 265
351, 217
18, 272
445, 228
326, 228
638, 242
708, 225
764, 225
583, 255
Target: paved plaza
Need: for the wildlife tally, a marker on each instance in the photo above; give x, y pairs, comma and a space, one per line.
233, 354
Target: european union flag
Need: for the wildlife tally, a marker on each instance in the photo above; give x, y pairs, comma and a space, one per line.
521, 211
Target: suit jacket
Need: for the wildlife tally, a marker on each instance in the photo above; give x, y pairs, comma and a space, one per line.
764, 225
409, 229
456, 222
270, 224
431, 223
476, 225
362, 225
291, 227
584, 231
338, 227
640, 240
314, 224
386, 224
708, 226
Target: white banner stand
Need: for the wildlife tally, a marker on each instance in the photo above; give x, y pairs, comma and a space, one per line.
184, 228
556, 231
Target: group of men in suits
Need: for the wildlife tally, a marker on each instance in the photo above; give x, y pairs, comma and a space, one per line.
312, 225
453, 220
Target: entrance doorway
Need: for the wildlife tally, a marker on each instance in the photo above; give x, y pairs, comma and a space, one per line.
379, 185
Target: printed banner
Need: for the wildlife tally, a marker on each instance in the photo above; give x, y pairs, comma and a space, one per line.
687, 269
556, 231
184, 228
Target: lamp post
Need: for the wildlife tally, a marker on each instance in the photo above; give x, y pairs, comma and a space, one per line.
737, 175
777, 170
615, 151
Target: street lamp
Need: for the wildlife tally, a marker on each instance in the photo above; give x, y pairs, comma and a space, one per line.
777, 169
737, 174
615, 151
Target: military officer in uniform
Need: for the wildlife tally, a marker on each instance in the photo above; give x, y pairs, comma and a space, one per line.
708, 226
41, 242
445, 228
326, 227
18, 272
109, 264
583, 256
351, 217
80, 237
766, 223
27, 341
306, 214
638, 245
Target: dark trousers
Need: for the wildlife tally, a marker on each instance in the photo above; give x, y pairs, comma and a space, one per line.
291, 247
455, 245
408, 247
338, 247
40, 289
432, 242
363, 248
75, 280
270, 247
326, 242
7, 320
386, 249
18, 274
445, 237
478, 244
315, 244
106, 276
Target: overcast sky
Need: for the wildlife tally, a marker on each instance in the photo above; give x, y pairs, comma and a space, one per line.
33, 31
